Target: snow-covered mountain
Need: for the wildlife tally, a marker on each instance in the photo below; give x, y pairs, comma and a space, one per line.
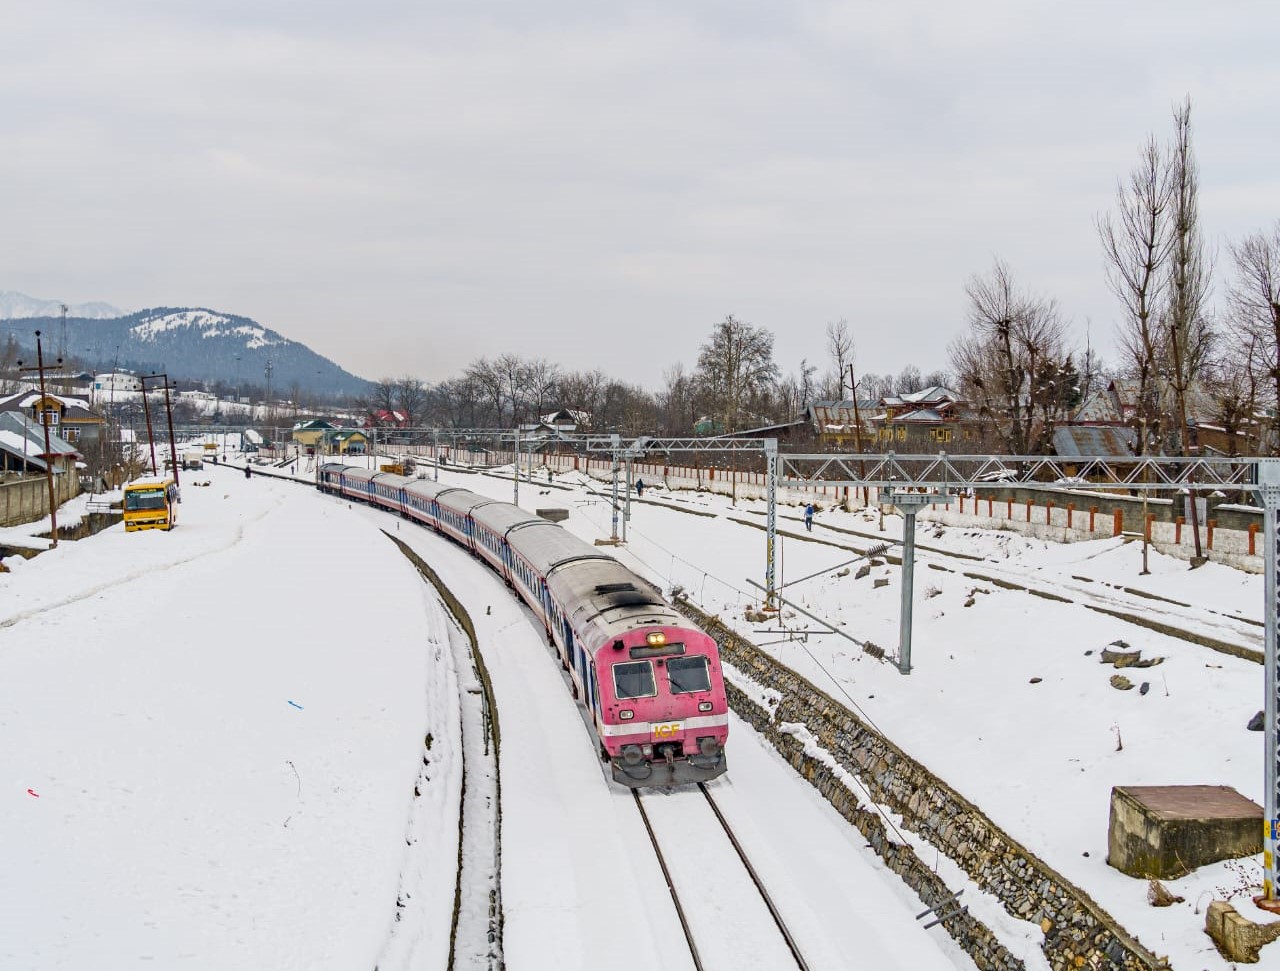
192, 344
14, 304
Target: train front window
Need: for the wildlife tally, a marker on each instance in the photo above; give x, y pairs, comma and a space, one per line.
634, 679
688, 674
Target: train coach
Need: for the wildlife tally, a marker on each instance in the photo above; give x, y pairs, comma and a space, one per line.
650, 683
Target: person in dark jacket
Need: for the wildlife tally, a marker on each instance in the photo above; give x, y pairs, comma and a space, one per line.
639, 487
247, 473
808, 517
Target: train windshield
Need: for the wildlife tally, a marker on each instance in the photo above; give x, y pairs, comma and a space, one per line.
634, 679
688, 674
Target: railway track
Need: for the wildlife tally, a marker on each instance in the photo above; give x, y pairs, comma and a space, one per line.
740, 921
1218, 630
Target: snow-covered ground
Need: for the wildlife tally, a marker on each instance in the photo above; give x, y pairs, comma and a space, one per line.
169, 806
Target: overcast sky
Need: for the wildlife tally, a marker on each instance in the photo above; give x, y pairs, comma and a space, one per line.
407, 186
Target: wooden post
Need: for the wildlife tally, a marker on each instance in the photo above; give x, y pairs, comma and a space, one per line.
1028, 510
1118, 522
1093, 514
1212, 524
1071, 508
1048, 512
1177, 529
1151, 518
1253, 535
989, 504
1010, 515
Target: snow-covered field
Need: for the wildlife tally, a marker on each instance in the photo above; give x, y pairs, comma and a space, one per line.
213, 735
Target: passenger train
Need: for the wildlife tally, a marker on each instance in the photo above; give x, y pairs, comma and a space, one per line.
650, 682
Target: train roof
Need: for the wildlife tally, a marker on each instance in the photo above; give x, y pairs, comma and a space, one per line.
428, 489
547, 545
502, 516
606, 598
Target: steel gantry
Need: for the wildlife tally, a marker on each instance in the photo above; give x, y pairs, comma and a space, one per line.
645, 446
899, 475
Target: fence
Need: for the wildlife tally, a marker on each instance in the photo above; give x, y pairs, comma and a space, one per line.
26, 500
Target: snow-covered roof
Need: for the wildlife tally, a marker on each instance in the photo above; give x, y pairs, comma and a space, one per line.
23, 438
27, 399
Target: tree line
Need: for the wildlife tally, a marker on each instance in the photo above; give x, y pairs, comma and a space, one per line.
1014, 361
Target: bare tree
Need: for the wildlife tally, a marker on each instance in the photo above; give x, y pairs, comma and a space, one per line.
1233, 382
909, 379
1136, 243
540, 380
486, 379
411, 399
1254, 320
677, 401
735, 366
583, 392
840, 349
1190, 336
1008, 360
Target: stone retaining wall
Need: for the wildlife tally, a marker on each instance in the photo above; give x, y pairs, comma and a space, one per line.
1077, 932
27, 500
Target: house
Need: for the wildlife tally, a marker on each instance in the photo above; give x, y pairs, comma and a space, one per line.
72, 419
343, 441
22, 448
114, 386
385, 418
1209, 431
307, 434
836, 423
930, 420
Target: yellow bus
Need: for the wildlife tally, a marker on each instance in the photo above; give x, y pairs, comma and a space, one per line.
150, 505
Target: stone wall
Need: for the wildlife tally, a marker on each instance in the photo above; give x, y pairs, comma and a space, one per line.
1077, 932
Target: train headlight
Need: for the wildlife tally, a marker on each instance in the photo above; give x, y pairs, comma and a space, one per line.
704, 706
655, 639
632, 755
626, 714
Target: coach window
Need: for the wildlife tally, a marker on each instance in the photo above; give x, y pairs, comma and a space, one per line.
688, 674
634, 679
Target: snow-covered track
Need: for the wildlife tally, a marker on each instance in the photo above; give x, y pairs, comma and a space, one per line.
475, 939
689, 849
1217, 630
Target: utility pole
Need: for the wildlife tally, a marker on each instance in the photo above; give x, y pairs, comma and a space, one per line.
146, 411
857, 431
48, 449
173, 447
515, 478
62, 348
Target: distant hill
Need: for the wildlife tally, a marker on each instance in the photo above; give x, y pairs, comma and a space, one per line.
190, 344
14, 304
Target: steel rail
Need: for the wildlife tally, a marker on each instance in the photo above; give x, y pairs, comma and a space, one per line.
755, 878
671, 887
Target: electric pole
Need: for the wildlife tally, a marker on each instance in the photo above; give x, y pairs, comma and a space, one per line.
48, 449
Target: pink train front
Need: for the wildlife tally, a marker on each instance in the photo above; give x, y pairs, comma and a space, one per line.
650, 682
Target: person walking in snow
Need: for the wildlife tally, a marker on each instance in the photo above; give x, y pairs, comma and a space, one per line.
639, 487
808, 517
247, 473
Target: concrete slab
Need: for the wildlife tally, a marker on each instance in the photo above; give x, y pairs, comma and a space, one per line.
1165, 832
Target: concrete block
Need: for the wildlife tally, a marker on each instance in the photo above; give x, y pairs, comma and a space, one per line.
1165, 832
1238, 938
